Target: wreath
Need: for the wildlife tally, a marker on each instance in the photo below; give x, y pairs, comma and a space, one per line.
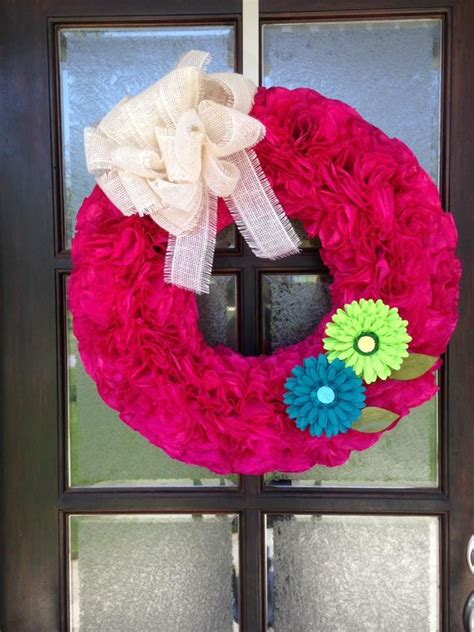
388, 244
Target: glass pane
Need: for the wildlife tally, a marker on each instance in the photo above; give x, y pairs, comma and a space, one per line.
105, 452
153, 572
218, 315
227, 238
292, 306
348, 573
307, 243
99, 66
404, 457
389, 70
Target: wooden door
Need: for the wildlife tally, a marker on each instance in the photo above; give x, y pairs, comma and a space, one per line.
101, 531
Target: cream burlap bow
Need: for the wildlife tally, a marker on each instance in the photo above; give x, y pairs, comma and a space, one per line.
172, 150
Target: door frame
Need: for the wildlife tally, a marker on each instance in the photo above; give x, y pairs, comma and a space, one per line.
35, 498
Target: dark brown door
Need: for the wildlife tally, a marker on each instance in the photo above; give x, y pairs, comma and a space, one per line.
103, 532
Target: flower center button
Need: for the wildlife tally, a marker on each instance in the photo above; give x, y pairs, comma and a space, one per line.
325, 395
367, 343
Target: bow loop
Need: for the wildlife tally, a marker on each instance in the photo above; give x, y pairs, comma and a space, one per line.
181, 148
232, 90
144, 163
194, 58
228, 130
185, 196
180, 91
220, 176
161, 153
189, 139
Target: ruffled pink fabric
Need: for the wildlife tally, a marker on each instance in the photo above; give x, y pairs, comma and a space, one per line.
384, 235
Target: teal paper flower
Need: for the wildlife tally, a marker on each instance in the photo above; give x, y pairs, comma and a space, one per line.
324, 397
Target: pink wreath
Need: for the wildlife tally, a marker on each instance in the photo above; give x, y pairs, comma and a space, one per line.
384, 235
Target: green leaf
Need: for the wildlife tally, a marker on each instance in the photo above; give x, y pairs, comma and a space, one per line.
374, 419
415, 365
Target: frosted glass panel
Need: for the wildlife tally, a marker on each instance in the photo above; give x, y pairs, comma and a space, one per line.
227, 239
389, 70
99, 66
307, 243
105, 452
404, 457
292, 306
218, 317
353, 573
153, 573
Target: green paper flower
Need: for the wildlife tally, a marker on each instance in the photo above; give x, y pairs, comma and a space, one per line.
368, 336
